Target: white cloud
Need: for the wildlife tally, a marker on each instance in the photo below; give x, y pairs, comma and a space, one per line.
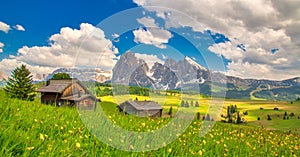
115, 35
149, 59
4, 27
84, 47
1, 47
19, 27
153, 35
272, 24
147, 22
227, 50
259, 71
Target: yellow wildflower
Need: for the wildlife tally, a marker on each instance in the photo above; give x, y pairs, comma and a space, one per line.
77, 145
30, 148
42, 137
200, 152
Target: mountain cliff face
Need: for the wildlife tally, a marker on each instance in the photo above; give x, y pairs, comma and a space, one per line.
131, 70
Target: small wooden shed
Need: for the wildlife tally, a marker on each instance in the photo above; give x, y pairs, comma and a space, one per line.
69, 92
141, 108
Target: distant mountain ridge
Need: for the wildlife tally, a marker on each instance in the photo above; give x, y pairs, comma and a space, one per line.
90, 74
130, 70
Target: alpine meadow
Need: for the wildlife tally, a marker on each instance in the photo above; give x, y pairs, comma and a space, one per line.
150, 78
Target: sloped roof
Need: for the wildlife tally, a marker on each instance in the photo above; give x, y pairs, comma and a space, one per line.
57, 86
76, 98
142, 105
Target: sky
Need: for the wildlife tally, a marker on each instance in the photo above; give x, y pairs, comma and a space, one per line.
249, 39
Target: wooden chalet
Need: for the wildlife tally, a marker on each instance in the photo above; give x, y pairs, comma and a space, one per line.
141, 108
67, 92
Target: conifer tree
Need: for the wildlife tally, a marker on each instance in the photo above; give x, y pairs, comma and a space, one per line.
20, 84
170, 111
197, 104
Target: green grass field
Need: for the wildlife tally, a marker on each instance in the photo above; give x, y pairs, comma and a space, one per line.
34, 129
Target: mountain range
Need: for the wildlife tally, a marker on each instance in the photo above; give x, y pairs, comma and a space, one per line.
87, 74
182, 75
188, 74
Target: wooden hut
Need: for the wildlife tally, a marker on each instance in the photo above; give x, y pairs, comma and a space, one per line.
70, 92
141, 108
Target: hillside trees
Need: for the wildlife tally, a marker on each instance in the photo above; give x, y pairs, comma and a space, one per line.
58, 76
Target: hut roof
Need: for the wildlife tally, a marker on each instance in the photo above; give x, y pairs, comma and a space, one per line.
142, 105
76, 98
57, 86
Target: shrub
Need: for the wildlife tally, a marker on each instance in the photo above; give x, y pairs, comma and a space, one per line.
276, 109
258, 118
292, 114
261, 108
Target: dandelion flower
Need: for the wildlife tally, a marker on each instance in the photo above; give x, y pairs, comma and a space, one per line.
143, 124
77, 145
169, 150
30, 148
131, 147
200, 152
42, 137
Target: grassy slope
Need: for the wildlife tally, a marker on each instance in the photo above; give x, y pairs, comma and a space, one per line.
33, 129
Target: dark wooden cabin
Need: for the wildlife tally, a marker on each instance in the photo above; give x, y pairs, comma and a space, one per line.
141, 108
67, 92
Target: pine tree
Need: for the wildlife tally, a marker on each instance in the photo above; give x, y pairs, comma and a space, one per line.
20, 85
238, 119
197, 104
207, 117
182, 103
229, 114
269, 117
198, 115
170, 111
187, 104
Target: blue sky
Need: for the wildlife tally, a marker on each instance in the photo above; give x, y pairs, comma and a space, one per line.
42, 19
224, 36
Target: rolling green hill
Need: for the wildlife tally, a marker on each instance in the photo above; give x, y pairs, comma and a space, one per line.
34, 129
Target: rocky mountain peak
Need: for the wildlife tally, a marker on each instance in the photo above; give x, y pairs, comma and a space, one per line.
192, 62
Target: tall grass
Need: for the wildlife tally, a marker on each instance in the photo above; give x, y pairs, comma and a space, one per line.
34, 129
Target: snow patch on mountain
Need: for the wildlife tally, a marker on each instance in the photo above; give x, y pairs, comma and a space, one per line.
194, 63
